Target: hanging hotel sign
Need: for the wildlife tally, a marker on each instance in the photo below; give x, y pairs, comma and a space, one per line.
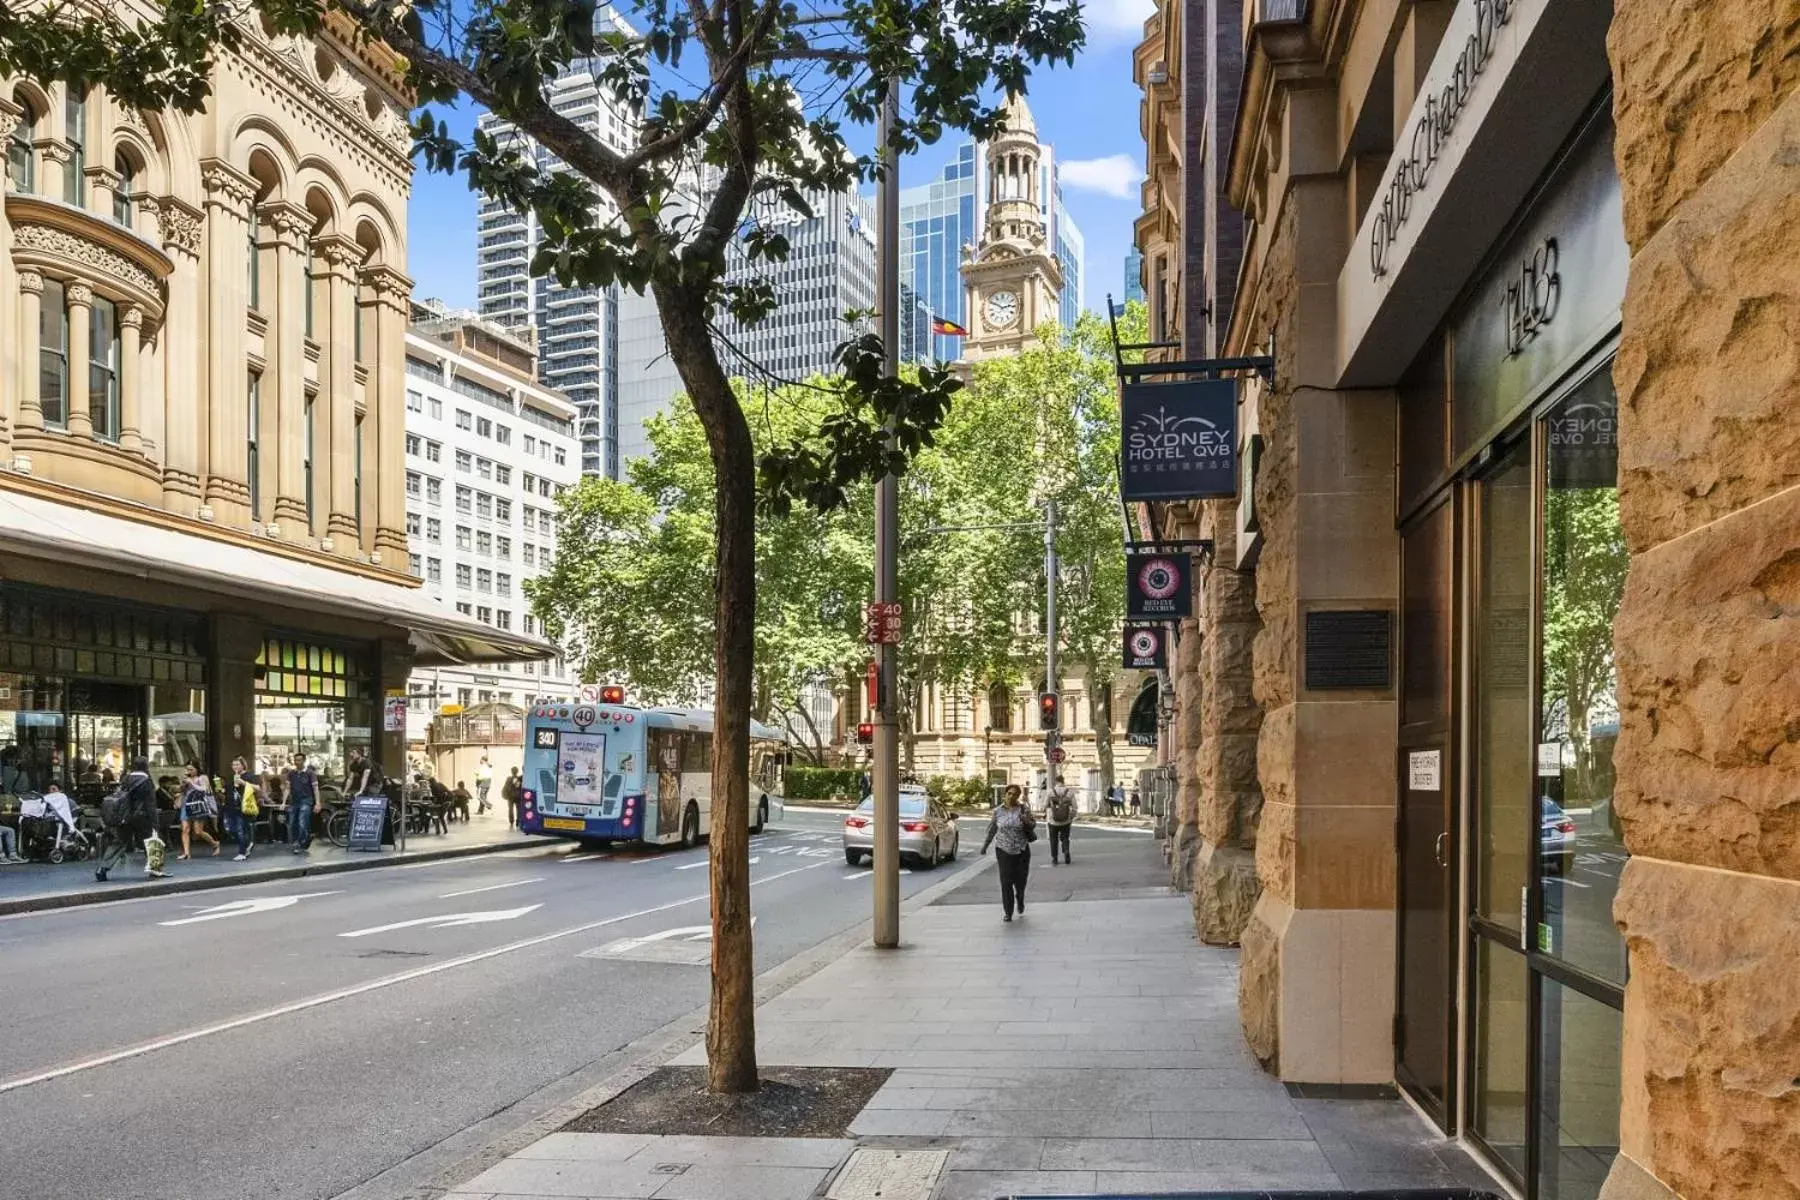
1179, 440
1158, 587
1146, 648
1443, 106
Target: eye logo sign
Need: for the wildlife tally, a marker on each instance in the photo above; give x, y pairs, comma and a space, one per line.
1158, 586
1180, 440
1143, 649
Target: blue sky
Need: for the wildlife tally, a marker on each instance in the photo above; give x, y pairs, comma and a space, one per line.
1088, 112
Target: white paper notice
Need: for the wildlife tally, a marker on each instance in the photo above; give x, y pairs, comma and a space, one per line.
1423, 770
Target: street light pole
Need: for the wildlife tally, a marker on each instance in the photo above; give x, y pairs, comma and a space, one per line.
887, 552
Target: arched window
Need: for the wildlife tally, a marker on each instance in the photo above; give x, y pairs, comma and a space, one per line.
75, 131
1143, 720
21, 160
122, 193
1000, 708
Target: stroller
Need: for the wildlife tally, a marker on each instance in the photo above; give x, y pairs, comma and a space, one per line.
48, 832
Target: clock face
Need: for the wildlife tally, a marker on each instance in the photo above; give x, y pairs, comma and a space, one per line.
1002, 309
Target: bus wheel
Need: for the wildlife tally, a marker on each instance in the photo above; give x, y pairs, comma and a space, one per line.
690, 827
762, 815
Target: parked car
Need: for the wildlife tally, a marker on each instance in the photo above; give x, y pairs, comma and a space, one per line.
928, 833
1557, 838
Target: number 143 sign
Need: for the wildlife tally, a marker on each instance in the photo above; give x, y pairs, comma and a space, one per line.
881, 624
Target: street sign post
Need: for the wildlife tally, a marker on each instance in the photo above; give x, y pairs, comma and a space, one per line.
1056, 754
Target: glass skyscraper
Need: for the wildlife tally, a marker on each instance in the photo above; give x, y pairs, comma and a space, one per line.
939, 218
1134, 276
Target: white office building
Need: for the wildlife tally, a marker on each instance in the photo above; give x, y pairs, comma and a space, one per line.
488, 450
577, 328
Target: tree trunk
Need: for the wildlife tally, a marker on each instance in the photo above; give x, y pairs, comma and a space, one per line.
1100, 699
731, 1020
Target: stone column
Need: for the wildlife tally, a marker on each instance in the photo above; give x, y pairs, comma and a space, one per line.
53, 156
31, 296
1225, 882
131, 327
285, 228
81, 336
11, 369
337, 259
103, 185
384, 463
1707, 639
229, 192
185, 409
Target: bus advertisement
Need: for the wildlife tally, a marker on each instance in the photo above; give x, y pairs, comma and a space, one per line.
612, 772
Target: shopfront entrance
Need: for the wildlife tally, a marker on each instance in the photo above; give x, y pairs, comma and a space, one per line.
313, 698
1511, 971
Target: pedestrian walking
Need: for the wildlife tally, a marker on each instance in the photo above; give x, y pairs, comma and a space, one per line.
484, 779
1011, 830
509, 792
129, 814
238, 800
1061, 811
197, 811
303, 803
1137, 802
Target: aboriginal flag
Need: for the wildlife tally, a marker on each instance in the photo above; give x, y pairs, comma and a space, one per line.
947, 328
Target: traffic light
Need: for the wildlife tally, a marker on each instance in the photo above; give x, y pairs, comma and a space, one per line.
1047, 711
865, 734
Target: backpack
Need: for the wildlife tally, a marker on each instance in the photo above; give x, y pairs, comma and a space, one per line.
1062, 809
115, 808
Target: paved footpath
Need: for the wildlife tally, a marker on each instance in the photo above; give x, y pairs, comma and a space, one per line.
1091, 1046
30, 887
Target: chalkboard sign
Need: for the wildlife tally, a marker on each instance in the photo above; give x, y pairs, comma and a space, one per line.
367, 816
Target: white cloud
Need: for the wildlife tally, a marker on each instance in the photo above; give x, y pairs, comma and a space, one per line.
1116, 175
1109, 20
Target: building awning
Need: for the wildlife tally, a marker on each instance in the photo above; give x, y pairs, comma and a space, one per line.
36, 527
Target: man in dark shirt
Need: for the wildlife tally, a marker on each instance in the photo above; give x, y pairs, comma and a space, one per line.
303, 802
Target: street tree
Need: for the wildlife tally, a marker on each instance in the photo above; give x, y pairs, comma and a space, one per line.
757, 117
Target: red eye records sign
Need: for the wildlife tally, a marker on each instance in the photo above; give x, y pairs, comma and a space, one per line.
1158, 586
1145, 648
881, 624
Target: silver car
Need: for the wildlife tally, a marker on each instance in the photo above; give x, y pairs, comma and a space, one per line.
928, 834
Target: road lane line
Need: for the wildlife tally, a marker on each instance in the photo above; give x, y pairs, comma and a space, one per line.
360, 989
690, 866
490, 888
583, 857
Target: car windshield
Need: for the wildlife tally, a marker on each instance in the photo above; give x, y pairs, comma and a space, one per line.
910, 806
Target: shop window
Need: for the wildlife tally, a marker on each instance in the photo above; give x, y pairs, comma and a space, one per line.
314, 699
53, 354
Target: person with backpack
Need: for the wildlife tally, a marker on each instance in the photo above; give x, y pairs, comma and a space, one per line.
303, 803
128, 814
509, 792
1061, 810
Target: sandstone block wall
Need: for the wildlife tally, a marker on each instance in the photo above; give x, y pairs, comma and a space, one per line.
1708, 637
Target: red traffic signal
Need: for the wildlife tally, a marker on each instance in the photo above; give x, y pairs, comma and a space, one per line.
865, 734
612, 694
1047, 711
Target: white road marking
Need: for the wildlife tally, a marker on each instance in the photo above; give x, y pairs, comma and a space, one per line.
448, 920
860, 874
490, 888
243, 908
691, 866
373, 985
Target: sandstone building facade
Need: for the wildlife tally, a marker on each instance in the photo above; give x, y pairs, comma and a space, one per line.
1530, 442
203, 547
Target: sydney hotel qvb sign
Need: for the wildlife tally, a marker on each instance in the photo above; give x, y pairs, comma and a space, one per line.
1178, 441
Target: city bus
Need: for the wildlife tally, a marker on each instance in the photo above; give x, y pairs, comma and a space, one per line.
610, 772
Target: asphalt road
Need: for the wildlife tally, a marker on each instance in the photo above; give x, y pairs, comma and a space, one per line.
295, 1039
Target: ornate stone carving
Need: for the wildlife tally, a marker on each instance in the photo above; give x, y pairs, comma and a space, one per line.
289, 221
55, 152
132, 318
226, 184
31, 282
393, 125
107, 262
79, 294
391, 288
9, 120
179, 224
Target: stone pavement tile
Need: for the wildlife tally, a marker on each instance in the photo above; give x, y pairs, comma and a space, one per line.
900, 1122
467, 1196
997, 1154
1233, 1125
989, 1122
987, 1185
568, 1177
1152, 1183
1281, 1159
820, 1153
1116, 1154
742, 1183
592, 1147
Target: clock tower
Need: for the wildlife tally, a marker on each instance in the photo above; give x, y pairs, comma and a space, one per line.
1012, 280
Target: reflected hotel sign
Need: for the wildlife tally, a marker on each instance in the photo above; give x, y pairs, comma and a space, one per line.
1444, 104
1178, 441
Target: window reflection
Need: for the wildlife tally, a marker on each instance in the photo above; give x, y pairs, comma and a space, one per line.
1578, 1121
1503, 684
1581, 850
